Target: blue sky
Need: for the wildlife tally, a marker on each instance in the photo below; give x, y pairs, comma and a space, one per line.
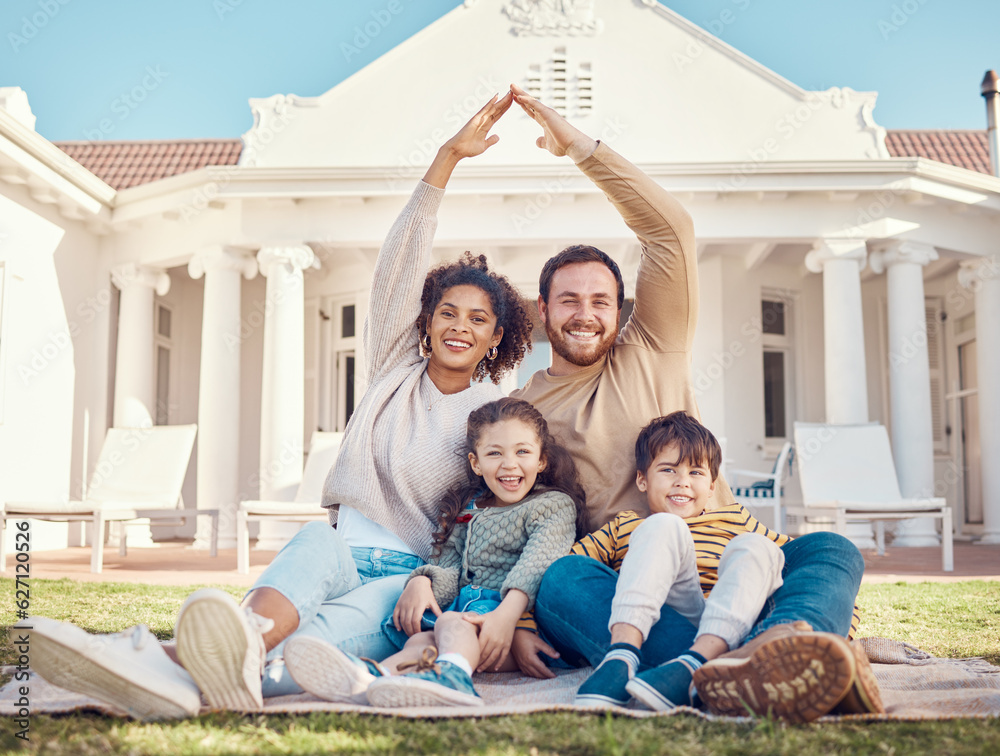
198, 61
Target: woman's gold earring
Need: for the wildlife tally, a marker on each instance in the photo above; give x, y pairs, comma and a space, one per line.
491, 353
425, 342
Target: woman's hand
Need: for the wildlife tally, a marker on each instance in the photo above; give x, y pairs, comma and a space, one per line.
472, 139
417, 598
560, 138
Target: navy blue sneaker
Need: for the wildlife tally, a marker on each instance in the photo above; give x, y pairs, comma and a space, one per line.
665, 687
434, 683
606, 686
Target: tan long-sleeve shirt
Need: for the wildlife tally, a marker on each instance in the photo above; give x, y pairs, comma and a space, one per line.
597, 412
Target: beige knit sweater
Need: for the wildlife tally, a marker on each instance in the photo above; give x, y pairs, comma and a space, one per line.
597, 412
402, 448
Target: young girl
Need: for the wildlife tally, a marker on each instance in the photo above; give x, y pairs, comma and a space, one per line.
518, 512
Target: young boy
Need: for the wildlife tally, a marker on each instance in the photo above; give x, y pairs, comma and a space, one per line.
737, 559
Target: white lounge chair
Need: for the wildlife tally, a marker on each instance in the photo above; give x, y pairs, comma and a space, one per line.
847, 473
323, 450
138, 475
767, 489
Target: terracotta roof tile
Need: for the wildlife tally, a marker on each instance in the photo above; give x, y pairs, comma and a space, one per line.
124, 164
966, 149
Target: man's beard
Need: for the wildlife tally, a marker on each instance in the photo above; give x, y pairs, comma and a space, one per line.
577, 354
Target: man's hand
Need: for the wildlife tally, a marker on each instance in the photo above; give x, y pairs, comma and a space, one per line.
560, 138
417, 598
525, 649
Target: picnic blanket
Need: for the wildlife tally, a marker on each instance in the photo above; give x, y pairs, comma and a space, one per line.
914, 685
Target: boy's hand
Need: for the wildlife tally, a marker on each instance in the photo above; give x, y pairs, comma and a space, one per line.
560, 137
417, 598
525, 649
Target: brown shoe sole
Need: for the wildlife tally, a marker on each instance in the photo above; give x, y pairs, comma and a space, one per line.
797, 678
863, 697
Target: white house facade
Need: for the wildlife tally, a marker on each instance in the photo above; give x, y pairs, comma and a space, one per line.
843, 279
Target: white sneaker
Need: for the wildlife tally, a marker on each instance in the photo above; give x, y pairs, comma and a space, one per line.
129, 670
326, 672
222, 645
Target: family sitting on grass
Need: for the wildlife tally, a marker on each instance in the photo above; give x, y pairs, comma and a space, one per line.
545, 543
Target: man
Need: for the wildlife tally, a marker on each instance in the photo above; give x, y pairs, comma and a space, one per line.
604, 385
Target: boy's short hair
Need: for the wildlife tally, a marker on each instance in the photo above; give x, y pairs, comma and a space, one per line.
696, 443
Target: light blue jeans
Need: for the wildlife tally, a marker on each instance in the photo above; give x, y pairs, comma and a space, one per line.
342, 595
471, 598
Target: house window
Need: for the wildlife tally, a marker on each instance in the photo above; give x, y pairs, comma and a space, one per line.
3, 335
776, 342
164, 346
330, 363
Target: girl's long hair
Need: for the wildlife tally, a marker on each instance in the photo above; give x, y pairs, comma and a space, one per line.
559, 473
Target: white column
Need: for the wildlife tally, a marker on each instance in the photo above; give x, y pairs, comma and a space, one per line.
841, 262
283, 384
219, 387
135, 382
983, 277
135, 388
909, 381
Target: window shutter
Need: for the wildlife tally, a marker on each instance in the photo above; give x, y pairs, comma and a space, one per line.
933, 307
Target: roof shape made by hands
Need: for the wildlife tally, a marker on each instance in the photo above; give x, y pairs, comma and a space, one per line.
124, 164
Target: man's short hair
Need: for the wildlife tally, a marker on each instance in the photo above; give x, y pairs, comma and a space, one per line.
579, 253
695, 442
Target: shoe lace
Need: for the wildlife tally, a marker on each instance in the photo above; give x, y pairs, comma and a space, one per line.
261, 625
426, 663
140, 636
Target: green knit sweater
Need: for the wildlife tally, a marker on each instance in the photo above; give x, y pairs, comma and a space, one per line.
504, 547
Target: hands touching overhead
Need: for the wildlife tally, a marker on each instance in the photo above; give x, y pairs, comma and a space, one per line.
559, 137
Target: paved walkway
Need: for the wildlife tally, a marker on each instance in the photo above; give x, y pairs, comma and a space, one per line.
176, 563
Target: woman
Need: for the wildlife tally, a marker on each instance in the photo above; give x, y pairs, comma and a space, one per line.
426, 340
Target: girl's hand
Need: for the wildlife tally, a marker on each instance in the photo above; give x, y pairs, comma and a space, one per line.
496, 631
472, 139
559, 137
417, 598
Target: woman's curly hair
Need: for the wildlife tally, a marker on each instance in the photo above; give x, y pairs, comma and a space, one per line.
511, 315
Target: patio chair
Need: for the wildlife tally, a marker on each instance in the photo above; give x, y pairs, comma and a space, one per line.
847, 473
138, 475
768, 488
323, 450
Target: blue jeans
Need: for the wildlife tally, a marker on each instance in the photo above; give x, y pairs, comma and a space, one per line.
471, 598
342, 594
821, 577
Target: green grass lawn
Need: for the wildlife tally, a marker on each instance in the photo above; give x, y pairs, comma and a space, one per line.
946, 619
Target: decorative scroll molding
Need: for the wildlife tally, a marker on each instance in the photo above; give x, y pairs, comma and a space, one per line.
130, 274
895, 252
222, 258
553, 18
